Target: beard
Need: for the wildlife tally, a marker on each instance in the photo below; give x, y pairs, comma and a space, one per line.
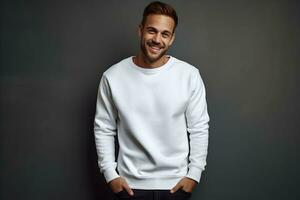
152, 57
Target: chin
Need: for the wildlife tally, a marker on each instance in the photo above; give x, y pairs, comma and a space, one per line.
154, 57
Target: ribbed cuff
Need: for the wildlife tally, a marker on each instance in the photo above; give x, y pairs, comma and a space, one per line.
110, 174
194, 173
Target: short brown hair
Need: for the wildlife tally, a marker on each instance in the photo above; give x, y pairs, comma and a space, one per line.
157, 7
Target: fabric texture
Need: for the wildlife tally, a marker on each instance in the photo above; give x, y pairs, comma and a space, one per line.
160, 118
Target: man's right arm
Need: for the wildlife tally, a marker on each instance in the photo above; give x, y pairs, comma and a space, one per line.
105, 128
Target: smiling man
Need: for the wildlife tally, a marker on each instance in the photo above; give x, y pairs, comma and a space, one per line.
156, 105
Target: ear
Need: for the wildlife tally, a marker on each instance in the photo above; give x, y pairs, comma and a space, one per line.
140, 29
172, 39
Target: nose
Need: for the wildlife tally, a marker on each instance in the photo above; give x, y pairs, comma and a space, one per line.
157, 38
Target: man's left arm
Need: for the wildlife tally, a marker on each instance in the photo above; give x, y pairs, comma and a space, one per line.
197, 125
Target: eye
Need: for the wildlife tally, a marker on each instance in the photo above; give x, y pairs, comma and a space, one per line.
151, 31
165, 35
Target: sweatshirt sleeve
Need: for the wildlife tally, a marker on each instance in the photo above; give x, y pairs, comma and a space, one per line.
105, 130
197, 126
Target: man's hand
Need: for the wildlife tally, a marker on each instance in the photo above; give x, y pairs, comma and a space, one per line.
186, 184
119, 184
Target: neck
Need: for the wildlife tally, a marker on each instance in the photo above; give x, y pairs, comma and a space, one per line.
141, 61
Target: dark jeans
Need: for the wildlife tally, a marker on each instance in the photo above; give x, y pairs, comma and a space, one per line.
140, 194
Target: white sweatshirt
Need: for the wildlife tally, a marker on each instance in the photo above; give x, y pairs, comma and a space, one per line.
152, 111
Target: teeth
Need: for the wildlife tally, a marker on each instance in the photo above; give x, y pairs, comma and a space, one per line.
157, 48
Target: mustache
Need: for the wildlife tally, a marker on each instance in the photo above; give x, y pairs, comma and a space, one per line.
151, 43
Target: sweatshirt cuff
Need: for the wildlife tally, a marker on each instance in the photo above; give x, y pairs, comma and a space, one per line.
110, 174
194, 173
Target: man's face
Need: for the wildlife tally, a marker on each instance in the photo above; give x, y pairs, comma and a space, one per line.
156, 36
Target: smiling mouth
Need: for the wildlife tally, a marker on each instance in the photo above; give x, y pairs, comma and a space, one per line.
154, 48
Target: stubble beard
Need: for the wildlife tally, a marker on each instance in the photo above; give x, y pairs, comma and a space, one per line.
149, 58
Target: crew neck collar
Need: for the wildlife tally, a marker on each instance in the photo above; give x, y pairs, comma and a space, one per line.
151, 70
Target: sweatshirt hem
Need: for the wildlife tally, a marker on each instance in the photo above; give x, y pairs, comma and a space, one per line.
153, 183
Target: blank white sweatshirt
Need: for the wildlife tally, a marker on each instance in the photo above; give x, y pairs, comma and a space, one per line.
153, 111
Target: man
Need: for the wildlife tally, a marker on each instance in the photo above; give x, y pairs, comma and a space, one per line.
156, 105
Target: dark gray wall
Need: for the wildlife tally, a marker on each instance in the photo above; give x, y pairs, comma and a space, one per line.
53, 55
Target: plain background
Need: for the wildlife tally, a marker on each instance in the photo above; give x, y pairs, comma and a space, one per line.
53, 54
